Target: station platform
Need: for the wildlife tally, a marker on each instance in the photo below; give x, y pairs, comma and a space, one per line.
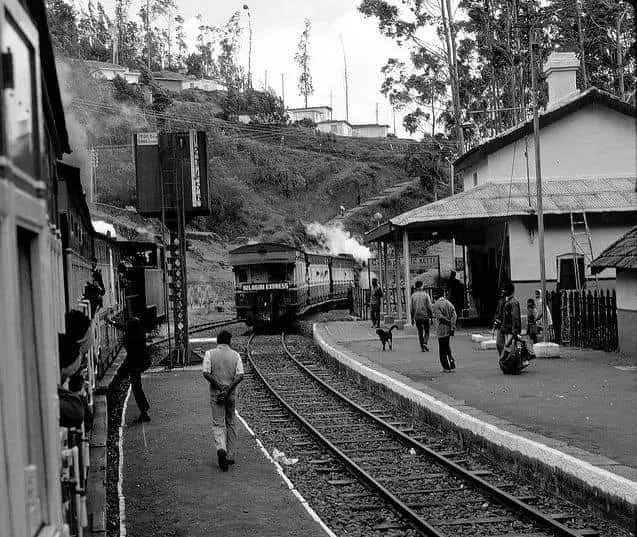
172, 485
575, 413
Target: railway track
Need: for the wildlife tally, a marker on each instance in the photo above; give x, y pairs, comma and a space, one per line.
396, 479
202, 327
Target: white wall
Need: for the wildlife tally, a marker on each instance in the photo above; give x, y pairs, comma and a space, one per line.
594, 141
374, 131
340, 128
626, 286
525, 264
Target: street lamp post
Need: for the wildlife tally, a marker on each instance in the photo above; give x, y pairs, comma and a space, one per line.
247, 9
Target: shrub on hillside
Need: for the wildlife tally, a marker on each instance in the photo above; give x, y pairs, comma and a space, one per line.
123, 91
306, 122
262, 107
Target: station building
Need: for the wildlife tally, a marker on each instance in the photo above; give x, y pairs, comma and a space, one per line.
588, 143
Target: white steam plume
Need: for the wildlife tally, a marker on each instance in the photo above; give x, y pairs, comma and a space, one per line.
334, 239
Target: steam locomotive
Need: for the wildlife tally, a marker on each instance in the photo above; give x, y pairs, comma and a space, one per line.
274, 283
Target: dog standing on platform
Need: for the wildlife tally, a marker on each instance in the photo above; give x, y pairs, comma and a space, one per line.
385, 337
223, 369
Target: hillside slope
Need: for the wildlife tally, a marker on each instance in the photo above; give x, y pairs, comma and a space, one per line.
265, 180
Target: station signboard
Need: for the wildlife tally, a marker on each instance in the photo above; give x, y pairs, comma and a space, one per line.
172, 166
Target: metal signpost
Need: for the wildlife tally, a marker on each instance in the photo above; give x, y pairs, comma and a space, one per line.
171, 171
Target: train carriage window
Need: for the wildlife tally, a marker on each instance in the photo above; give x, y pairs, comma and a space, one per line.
31, 406
20, 104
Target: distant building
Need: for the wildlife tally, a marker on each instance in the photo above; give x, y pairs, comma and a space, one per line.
314, 113
207, 84
243, 118
589, 156
172, 81
370, 130
179, 82
108, 71
622, 256
339, 127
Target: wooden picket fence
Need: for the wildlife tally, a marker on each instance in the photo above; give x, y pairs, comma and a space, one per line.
587, 319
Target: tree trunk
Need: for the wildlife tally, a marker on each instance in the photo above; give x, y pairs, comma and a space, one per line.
580, 33
453, 69
620, 56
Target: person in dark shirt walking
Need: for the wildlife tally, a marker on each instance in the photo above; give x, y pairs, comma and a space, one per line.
136, 362
456, 292
511, 359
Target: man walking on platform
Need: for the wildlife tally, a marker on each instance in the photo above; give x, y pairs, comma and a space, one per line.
223, 369
446, 314
421, 313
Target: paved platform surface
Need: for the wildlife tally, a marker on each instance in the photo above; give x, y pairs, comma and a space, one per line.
581, 403
173, 486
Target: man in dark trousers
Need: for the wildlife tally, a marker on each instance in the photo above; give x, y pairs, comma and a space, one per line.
511, 320
497, 324
223, 369
375, 299
421, 313
446, 315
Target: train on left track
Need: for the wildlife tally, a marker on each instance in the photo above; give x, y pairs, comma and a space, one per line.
275, 283
50, 251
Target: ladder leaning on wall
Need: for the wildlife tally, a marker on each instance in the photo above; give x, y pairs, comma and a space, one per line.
582, 246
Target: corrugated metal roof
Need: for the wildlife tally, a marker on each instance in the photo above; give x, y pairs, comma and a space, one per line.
508, 199
621, 254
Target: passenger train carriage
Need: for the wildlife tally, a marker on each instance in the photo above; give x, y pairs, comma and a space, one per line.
276, 282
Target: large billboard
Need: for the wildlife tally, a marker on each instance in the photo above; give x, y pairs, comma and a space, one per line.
176, 161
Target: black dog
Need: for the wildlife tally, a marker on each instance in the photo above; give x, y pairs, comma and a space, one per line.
385, 336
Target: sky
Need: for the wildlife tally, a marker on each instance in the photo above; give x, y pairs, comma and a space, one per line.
277, 25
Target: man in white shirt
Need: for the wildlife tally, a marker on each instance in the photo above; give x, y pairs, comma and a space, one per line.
223, 369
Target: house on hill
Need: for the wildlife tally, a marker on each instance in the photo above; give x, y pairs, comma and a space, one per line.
317, 114
622, 256
108, 71
589, 169
370, 130
341, 127
178, 82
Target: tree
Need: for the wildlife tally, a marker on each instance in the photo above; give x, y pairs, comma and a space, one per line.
302, 58
406, 24
63, 27
227, 60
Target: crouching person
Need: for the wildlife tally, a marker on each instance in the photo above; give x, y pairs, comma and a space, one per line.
223, 369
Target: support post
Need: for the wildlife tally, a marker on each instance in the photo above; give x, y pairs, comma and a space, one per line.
538, 176
399, 308
407, 277
386, 280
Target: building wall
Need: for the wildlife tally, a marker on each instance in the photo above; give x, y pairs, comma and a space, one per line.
525, 264
626, 286
132, 77
594, 141
374, 131
315, 115
339, 128
172, 85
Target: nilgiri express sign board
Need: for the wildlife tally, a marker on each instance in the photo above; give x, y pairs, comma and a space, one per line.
264, 286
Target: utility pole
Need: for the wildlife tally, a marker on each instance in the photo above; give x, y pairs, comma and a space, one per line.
346, 82
283, 88
393, 110
580, 33
331, 100
266, 81
376, 113
538, 175
247, 9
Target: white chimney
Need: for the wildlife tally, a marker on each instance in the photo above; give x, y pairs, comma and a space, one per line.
561, 70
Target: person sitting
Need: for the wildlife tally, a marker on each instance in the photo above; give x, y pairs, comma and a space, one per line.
71, 404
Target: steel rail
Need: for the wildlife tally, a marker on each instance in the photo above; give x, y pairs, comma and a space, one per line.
500, 496
417, 522
195, 329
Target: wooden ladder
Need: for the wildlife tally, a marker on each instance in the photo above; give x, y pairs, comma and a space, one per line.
582, 245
